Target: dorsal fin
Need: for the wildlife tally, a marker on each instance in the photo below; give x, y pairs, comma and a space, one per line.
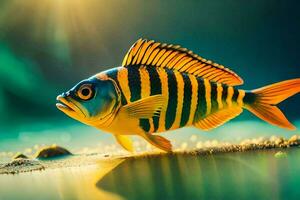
175, 57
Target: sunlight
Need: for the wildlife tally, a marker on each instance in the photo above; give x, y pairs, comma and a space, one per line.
59, 24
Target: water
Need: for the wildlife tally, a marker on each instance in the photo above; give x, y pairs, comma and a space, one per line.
59, 183
248, 175
252, 175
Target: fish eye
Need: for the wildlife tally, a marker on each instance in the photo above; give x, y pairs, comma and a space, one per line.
85, 92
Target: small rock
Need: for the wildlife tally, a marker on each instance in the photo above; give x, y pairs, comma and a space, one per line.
280, 154
52, 152
20, 156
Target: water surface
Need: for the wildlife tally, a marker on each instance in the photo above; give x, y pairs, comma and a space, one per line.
250, 175
247, 175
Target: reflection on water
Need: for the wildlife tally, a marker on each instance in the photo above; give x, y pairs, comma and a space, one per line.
247, 175
252, 175
60, 183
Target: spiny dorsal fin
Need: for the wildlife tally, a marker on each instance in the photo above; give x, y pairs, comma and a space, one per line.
175, 57
218, 118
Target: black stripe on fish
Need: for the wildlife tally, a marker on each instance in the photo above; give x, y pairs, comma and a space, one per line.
224, 93
201, 104
155, 84
235, 95
214, 93
172, 101
134, 81
186, 100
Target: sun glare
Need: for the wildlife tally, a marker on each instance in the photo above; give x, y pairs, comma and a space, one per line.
58, 23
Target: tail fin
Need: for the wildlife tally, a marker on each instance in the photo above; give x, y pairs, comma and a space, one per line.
262, 102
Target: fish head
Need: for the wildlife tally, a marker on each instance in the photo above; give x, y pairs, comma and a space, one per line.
93, 101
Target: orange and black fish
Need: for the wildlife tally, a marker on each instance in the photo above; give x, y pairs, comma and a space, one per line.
162, 87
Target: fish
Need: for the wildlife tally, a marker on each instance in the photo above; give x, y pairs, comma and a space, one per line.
161, 87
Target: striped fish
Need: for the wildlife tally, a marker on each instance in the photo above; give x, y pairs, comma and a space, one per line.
162, 87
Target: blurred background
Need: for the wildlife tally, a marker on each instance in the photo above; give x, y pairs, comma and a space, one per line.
47, 46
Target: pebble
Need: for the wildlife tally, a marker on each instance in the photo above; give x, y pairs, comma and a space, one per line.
20, 156
52, 152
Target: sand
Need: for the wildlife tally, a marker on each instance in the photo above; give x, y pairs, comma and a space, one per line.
22, 165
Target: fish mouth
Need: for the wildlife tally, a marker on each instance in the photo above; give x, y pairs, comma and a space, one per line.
68, 107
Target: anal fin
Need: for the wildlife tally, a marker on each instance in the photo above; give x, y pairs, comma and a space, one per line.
218, 118
159, 142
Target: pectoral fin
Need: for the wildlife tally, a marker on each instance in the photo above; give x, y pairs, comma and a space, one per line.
125, 142
145, 108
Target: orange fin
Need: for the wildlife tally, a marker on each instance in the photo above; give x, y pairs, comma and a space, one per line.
218, 118
264, 100
271, 114
174, 57
159, 142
